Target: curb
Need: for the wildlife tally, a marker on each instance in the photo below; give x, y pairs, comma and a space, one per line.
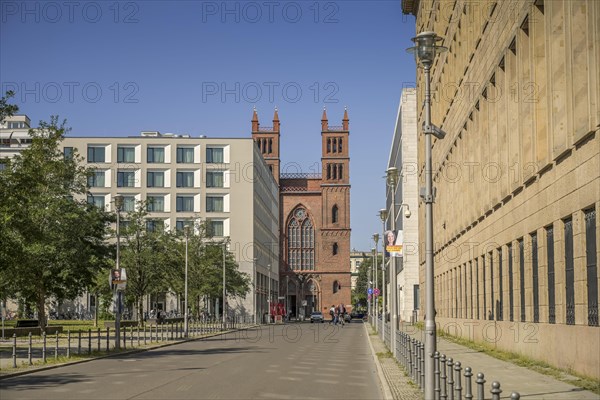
121, 353
387, 393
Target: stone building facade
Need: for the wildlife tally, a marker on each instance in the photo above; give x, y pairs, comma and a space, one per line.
314, 218
516, 231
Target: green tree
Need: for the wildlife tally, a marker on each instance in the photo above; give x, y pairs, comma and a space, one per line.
6, 109
359, 295
52, 242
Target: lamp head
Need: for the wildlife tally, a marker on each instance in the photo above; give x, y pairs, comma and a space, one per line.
407, 213
187, 229
118, 201
376, 238
426, 47
392, 175
383, 213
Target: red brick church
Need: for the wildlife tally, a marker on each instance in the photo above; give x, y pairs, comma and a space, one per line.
314, 220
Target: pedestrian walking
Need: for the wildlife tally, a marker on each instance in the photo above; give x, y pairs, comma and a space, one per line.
332, 314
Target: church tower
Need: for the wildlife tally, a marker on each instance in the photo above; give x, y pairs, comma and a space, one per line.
267, 140
335, 208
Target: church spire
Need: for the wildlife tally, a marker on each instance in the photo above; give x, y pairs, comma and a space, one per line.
324, 122
345, 120
276, 121
255, 121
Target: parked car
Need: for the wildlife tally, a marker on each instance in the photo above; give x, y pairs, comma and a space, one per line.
316, 317
347, 317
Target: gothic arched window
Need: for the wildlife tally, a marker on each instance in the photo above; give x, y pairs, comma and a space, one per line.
301, 241
336, 286
334, 214
335, 249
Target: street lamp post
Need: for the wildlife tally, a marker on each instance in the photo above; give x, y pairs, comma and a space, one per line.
186, 231
392, 178
383, 213
269, 297
255, 290
375, 294
370, 311
224, 289
425, 49
118, 206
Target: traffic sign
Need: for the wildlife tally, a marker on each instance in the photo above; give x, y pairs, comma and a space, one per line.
370, 291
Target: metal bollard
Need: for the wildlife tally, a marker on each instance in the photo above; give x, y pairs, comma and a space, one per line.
131, 337
78, 342
436, 375
68, 343
108, 340
44, 347
495, 391
450, 375
14, 350
515, 396
151, 338
422, 378
162, 333
443, 394
56, 347
99, 336
90, 341
156, 332
457, 379
29, 350
138, 335
468, 387
145, 341
480, 389
410, 356
171, 327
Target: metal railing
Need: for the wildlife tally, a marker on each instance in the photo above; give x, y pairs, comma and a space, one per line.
93, 342
448, 374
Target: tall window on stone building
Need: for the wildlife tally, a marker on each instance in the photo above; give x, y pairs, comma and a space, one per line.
535, 276
550, 255
335, 249
511, 301
592, 266
336, 286
477, 286
522, 277
492, 284
569, 272
339, 145
485, 312
301, 242
499, 302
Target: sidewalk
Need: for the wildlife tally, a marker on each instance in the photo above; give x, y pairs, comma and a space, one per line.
397, 385
528, 383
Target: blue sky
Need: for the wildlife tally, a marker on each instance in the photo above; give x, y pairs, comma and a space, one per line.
199, 67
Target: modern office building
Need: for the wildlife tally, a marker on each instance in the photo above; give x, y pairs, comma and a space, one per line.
14, 135
356, 259
223, 181
403, 156
516, 232
314, 220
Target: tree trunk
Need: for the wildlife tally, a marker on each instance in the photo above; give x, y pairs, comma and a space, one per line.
141, 311
41, 311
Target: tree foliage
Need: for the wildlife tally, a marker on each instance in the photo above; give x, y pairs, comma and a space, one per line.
6, 109
52, 242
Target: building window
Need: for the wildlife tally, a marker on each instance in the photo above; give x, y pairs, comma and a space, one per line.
534, 273
416, 297
185, 204
214, 155
125, 179
155, 179
334, 214
214, 204
185, 155
155, 155
471, 287
511, 301
335, 249
95, 154
97, 201
485, 313
477, 286
156, 203
125, 154
96, 179
68, 153
499, 302
215, 228
339, 145
185, 179
128, 203
336, 286
214, 179
155, 225
329, 145
569, 272
491, 312
301, 242
550, 254
592, 266
522, 277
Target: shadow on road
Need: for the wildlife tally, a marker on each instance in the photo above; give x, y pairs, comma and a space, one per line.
30, 382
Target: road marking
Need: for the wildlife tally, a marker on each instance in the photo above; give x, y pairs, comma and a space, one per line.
289, 378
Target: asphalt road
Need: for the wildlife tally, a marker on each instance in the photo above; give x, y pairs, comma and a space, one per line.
296, 361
